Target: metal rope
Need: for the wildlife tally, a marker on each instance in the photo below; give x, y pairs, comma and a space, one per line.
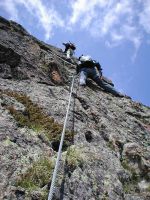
60, 146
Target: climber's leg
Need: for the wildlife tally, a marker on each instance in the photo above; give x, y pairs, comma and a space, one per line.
107, 87
68, 53
83, 77
71, 52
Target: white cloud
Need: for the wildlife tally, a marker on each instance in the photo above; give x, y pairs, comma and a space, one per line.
105, 13
145, 16
117, 36
111, 20
10, 7
131, 34
126, 33
47, 17
114, 14
84, 10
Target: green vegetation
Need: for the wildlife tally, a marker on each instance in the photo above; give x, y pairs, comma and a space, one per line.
44, 195
131, 169
8, 142
37, 176
148, 189
132, 185
126, 165
33, 117
105, 196
74, 158
111, 145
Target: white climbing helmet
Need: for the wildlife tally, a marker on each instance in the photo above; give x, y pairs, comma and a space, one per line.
85, 58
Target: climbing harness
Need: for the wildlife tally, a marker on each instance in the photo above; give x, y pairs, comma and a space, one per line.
61, 143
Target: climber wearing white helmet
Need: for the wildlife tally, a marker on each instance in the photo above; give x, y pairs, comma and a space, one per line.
90, 68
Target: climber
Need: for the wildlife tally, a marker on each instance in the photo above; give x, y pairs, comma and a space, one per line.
69, 49
90, 68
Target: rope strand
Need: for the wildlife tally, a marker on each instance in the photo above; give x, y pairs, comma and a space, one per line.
60, 146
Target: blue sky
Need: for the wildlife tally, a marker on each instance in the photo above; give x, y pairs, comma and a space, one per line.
114, 32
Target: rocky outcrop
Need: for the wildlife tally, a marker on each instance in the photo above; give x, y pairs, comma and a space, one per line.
106, 153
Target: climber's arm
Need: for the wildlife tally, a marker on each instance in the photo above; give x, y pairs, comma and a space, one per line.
99, 68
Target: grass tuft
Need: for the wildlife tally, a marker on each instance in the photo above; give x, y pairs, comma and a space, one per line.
33, 117
74, 158
37, 176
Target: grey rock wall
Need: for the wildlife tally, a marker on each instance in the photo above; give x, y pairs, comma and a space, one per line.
108, 157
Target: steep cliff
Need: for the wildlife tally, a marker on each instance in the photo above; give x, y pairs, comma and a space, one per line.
106, 153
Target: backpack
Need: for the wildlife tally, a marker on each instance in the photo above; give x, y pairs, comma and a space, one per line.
72, 46
86, 61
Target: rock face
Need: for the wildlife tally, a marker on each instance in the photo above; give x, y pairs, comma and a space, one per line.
106, 153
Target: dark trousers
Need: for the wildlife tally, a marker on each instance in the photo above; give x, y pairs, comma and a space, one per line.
92, 73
